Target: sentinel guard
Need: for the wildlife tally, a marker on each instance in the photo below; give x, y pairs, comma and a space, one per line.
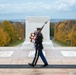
37, 39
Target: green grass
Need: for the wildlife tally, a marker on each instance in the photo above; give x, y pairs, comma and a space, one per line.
16, 43
61, 44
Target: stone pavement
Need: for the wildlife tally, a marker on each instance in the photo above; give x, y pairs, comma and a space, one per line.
57, 56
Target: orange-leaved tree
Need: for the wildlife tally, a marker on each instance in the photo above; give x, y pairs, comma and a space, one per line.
4, 37
10, 29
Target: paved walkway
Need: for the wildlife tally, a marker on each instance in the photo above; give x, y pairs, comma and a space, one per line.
57, 56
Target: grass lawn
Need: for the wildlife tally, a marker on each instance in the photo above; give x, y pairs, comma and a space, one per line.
61, 44
16, 43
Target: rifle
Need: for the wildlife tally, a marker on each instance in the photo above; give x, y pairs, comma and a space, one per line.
43, 25
34, 35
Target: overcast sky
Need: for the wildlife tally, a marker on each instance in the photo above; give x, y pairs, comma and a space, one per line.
55, 9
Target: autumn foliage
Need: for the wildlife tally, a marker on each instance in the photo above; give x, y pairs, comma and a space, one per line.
20, 30
65, 32
9, 33
4, 37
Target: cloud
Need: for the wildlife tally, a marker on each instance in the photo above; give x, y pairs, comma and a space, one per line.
57, 5
65, 5
23, 7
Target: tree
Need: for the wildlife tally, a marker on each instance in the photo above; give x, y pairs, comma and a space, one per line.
52, 30
20, 30
65, 32
10, 29
73, 36
4, 37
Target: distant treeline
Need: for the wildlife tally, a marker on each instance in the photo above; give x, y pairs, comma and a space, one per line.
10, 32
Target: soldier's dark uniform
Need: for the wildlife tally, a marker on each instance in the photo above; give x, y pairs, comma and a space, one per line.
38, 52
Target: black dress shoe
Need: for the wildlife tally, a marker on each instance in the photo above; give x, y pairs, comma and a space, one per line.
45, 65
31, 64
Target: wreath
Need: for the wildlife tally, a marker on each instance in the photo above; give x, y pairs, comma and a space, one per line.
32, 36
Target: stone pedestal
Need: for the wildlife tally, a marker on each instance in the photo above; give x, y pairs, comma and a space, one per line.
32, 23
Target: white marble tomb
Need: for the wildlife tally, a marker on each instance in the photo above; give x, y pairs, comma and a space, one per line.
32, 23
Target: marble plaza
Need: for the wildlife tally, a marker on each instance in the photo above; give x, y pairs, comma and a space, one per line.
57, 56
